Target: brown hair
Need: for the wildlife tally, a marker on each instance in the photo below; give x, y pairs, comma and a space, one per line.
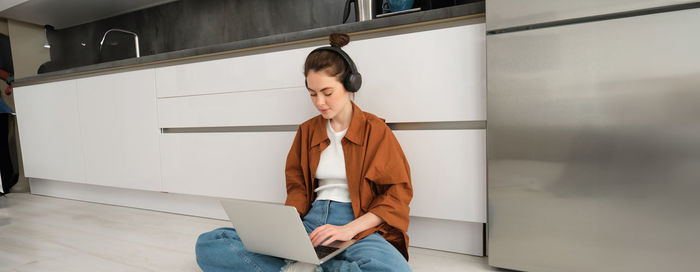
329, 61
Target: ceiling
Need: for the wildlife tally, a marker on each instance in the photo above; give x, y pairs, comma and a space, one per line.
67, 13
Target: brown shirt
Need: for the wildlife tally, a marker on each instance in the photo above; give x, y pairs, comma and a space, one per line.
379, 178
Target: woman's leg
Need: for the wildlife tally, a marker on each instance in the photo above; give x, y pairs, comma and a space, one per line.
372, 253
222, 250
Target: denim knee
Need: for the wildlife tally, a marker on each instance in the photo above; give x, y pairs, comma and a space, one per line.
219, 250
209, 241
374, 253
212, 235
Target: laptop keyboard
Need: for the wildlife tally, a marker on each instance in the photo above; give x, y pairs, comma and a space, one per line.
323, 251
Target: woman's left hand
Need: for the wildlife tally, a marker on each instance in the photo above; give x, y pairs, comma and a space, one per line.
327, 234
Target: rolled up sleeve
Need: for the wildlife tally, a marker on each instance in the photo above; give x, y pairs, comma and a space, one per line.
391, 177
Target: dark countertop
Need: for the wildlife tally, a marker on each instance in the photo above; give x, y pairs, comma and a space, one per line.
476, 9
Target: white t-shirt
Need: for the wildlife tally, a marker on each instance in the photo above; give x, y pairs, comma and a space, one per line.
332, 181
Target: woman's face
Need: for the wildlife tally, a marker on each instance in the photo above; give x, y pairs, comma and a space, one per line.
327, 93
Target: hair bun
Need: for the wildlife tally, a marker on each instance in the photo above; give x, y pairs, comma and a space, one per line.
339, 39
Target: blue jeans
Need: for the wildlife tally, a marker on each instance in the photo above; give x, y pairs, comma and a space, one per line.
222, 249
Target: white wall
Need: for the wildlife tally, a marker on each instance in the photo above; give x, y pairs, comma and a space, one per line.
28, 52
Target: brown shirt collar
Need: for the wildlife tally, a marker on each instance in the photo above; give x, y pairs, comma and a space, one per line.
355, 133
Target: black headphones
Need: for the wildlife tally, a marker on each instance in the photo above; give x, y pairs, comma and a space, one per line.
353, 80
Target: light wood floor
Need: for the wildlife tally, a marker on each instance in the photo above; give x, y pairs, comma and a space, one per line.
50, 234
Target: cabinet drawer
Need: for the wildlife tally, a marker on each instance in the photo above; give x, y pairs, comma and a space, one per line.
282, 69
243, 165
425, 76
448, 170
437, 75
272, 107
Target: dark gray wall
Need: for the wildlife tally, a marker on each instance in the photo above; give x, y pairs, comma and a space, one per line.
188, 24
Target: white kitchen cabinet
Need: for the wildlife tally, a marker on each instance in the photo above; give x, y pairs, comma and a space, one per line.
448, 171
290, 106
242, 165
448, 168
118, 125
281, 69
47, 118
425, 76
422, 76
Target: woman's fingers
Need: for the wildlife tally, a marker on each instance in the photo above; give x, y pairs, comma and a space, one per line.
315, 235
330, 240
316, 232
323, 233
327, 234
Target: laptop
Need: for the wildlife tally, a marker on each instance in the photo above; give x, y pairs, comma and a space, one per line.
277, 230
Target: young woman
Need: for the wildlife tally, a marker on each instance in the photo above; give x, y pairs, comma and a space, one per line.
346, 175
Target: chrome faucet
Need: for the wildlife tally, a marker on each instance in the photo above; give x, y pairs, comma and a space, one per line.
136, 39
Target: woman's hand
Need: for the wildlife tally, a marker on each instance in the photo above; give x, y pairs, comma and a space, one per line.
327, 234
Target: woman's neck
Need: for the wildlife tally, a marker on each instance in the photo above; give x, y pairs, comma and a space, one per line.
342, 120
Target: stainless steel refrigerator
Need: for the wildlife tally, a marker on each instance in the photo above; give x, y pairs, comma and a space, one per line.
593, 135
